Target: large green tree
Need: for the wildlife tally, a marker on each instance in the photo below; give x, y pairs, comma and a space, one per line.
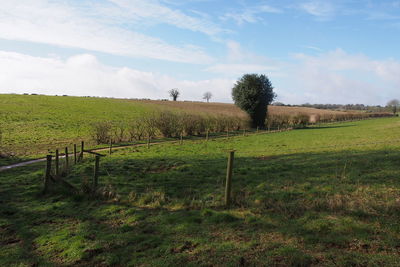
253, 93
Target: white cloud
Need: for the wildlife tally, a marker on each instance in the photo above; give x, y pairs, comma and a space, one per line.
239, 69
340, 77
250, 14
321, 9
238, 62
153, 10
83, 75
56, 23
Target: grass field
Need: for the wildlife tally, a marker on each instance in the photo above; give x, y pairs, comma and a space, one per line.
33, 124
325, 196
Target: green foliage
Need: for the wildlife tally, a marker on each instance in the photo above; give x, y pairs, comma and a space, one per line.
253, 93
319, 196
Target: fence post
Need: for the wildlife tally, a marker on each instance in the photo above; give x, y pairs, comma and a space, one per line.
181, 139
66, 158
244, 132
110, 146
257, 129
96, 172
82, 149
207, 135
57, 162
227, 132
148, 141
228, 184
75, 153
47, 174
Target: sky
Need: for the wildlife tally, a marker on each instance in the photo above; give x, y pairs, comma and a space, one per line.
313, 51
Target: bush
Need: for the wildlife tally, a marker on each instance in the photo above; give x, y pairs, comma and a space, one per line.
167, 123
118, 129
101, 132
137, 129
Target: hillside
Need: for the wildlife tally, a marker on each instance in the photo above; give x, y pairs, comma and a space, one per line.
32, 124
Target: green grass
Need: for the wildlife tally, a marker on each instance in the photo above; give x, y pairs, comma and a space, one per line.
321, 196
32, 124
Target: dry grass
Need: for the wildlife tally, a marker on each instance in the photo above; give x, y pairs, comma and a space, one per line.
231, 109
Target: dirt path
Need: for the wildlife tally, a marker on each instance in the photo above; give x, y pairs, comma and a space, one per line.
33, 161
29, 162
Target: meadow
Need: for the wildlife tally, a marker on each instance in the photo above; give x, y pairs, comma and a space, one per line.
33, 125
319, 196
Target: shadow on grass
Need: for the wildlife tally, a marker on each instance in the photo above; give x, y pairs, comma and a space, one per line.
314, 208
321, 127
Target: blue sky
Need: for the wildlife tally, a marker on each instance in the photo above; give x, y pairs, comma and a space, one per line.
312, 50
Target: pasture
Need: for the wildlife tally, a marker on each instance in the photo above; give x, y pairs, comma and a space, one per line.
320, 196
31, 125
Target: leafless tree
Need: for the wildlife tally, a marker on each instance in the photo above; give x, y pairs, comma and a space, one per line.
207, 96
174, 93
394, 104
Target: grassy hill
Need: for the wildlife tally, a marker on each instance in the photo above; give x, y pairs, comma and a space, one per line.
33, 124
322, 196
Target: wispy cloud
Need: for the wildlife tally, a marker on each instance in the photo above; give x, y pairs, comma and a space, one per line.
156, 12
250, 14
57, 23
322, 10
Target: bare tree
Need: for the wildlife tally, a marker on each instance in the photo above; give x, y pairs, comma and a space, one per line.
207, 96
394, 104
174, 93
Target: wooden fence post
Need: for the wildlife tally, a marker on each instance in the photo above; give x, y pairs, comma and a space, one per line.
207, 135
110, 146
82, 149
66, 158
96, 172
148, 141
227, 132
47, 174
181, 139
57, 162
228, 184
75, 153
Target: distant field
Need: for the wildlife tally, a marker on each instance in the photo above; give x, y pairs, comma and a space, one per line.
321, 196
31, 124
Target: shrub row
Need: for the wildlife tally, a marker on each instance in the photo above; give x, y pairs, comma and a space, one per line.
276, 121
173, 124
165, 124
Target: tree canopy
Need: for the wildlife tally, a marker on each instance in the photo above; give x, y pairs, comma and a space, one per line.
253, 93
